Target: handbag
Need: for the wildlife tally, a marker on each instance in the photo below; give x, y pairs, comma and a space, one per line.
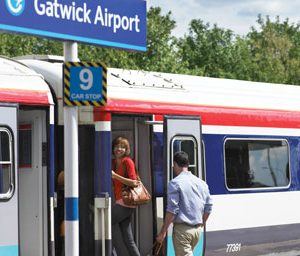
135, 195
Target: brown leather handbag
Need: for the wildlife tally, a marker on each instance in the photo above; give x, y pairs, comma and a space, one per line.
135, 195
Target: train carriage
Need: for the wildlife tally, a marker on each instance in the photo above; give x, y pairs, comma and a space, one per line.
242, 137
27, 161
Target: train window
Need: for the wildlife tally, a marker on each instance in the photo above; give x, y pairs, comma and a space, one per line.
189, 145
256, 163
25, 141
6, 164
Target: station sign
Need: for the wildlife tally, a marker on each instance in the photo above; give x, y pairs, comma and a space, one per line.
112, 23
85, 84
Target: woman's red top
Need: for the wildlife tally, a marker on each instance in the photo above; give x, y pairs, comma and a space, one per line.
125, 169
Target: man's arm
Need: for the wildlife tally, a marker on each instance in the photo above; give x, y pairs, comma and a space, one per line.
205, 217
208, 206
168, 220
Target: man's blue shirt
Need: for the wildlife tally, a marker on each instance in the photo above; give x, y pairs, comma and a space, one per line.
188, 198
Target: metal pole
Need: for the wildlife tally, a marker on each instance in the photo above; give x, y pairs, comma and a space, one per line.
71, 167
103, 230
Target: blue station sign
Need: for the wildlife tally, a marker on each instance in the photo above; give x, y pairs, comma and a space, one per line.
114, 23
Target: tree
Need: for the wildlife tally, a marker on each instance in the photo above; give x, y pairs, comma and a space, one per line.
207, 51
16, 45
161, 51
275, 51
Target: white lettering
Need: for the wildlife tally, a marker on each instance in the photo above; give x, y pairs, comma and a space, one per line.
125, 23
81, 13
56, 5
115, 21
78, 18
73, 11
233, 247
63, 11
86, 14
137, 21
40, 11
77, 96
99, 17
49, 9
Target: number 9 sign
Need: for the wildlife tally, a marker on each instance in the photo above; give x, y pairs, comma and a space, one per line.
86, 77
84, 85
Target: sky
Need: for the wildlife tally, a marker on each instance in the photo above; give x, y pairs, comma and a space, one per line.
236, 15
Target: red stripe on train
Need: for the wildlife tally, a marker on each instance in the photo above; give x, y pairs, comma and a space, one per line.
210, 115
24, 97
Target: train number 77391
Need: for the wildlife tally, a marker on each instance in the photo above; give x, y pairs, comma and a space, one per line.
233, 247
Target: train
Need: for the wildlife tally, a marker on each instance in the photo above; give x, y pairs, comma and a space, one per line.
243, 139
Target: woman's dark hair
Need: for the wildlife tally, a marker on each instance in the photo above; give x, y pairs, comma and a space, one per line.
181, 158
123, 142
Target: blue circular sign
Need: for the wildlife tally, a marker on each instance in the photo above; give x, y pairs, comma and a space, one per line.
15, 7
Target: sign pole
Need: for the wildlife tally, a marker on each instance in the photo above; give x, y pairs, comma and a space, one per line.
71, 166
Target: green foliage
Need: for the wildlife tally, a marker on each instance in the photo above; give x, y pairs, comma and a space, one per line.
208, 51
269, 54
275, 51
12, 45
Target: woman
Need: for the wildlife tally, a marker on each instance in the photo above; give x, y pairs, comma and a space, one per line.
123, 173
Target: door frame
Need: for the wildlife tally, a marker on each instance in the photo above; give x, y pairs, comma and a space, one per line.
182, 127
9, 222
36, 175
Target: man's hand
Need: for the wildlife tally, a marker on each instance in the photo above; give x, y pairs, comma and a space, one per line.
160, 237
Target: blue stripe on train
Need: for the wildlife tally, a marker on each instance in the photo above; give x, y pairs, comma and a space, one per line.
9, 250
214, 153
102, 180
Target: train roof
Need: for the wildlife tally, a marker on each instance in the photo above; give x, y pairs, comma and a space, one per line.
20, 84
203, 91
136, 85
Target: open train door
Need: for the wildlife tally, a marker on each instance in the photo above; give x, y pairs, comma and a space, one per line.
182, 133
9, 223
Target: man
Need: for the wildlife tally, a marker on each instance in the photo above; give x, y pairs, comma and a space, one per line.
189, 205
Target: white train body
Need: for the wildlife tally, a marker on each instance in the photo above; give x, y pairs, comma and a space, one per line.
243, 139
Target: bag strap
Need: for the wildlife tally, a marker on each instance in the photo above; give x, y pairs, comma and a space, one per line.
156, 248
126, 173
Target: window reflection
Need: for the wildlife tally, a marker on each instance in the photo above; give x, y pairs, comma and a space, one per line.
5, 163
188, 145
256, 163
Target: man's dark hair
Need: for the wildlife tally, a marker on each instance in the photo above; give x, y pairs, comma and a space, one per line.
181, 158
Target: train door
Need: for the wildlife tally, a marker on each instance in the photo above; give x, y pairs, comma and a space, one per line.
136, 130
8, 182
182, 134
33, 183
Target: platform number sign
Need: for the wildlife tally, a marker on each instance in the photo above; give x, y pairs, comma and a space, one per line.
85, 84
